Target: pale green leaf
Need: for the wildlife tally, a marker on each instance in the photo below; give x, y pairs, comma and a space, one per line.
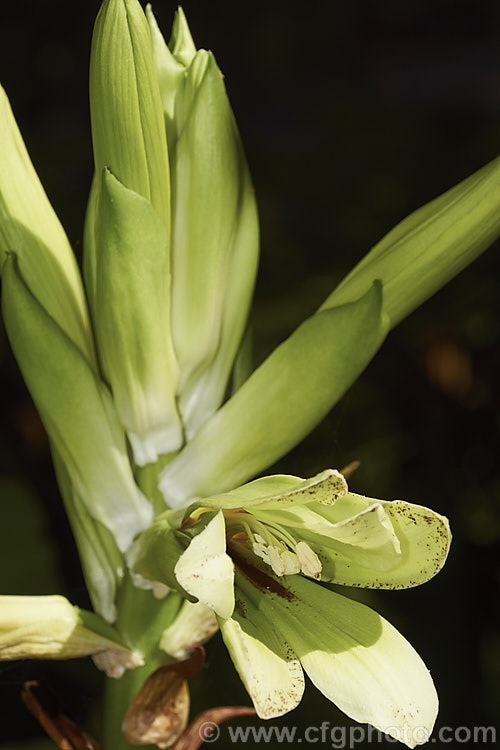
171, 79
214, 242
89, 243
429, 247
181, 42
30, 229
280, 403
101, 562
243, 363
77, 411
153, 556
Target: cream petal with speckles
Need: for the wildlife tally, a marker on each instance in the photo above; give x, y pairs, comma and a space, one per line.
423, 535
205, 571
368, 535
267, 666
356, 659
278, 491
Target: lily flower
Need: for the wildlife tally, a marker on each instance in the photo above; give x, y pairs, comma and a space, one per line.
257, 557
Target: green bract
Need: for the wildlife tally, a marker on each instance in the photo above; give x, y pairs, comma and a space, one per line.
128, 131
254, 556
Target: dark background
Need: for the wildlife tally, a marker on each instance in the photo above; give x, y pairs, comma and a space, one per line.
353, 114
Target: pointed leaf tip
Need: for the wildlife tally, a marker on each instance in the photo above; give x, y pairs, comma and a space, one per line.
30, 229
128, 130
430, 246
181, 42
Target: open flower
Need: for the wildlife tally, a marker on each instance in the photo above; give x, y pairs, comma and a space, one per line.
256, 557
141, 378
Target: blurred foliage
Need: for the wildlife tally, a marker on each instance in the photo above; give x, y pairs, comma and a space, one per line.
353, 114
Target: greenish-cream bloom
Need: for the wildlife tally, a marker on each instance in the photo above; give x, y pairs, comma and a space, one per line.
49, 627
170, 255
257, 557
130, 373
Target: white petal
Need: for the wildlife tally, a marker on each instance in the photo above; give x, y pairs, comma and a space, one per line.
205, 571
357, 659
267, 666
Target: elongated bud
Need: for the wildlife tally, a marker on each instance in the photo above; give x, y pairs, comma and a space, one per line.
128, 132
291, 391
430, 246
30, 229
77, 411
132, 319
181, 42
214, 222
49, 627
171, 68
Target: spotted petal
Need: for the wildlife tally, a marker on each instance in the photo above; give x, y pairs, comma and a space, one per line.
367, 538
205, 571
355, 658
423, 537
267, 666
278, 491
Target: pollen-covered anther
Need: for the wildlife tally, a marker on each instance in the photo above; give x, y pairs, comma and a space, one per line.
310, 563
278, 557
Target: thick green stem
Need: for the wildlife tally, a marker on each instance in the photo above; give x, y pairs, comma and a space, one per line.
118, 695
141, 621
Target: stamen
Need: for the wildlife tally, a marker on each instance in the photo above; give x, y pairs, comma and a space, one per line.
275, 546
309, 561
